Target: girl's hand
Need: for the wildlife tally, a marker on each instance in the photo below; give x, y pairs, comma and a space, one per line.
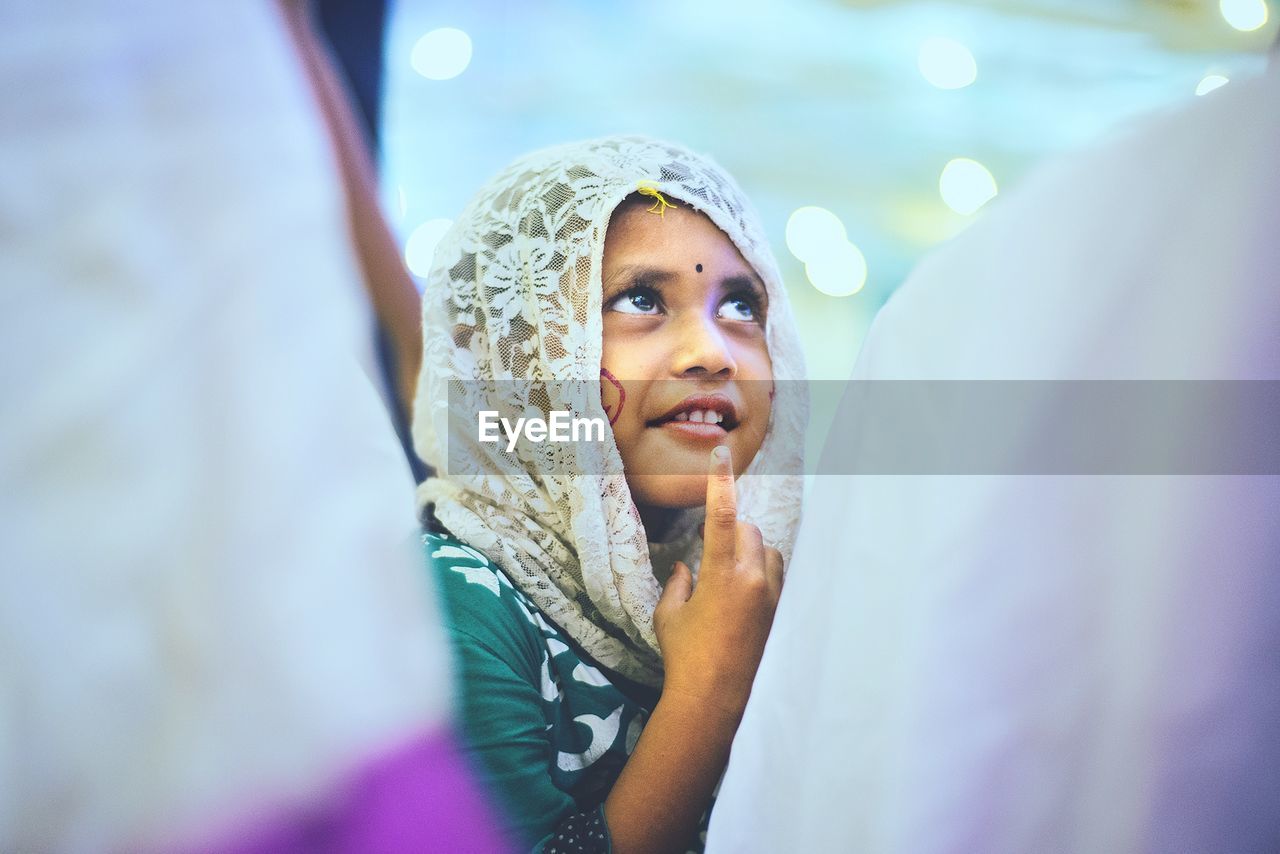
712, 637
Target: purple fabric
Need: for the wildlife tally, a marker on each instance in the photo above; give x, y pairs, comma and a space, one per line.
421, 797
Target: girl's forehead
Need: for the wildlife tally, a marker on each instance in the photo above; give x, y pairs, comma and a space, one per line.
676, 230
682, 251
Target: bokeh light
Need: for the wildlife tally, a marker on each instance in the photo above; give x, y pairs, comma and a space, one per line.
1210, 82
966, 185
441, 54
1244, 15
946, 63
833, 265
420, 248
838, 271
862, 131
811, 229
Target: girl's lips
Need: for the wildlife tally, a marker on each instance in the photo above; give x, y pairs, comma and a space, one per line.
694, 431
714, 408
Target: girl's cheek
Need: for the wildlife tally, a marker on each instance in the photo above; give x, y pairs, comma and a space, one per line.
612, 395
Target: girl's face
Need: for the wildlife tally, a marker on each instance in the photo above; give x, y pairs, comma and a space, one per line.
685, 366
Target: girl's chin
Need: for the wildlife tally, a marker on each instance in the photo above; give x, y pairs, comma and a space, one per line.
668, 491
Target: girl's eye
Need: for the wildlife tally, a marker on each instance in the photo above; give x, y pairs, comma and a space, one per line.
738, 307
636, 301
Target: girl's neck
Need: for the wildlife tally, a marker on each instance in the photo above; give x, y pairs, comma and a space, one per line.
657, 521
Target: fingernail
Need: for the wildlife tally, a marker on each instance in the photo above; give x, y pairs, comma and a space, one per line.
721, 453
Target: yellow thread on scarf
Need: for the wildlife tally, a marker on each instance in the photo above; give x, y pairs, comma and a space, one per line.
660, 206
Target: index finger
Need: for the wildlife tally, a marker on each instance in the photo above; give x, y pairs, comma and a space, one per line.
721, 526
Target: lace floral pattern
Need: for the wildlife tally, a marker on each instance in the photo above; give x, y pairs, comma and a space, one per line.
515, 294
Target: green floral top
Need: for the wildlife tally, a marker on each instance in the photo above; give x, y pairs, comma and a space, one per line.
549, 728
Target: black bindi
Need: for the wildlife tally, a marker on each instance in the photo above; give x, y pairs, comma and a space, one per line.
698, 268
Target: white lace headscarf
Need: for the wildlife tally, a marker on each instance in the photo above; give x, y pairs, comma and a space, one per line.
514, 294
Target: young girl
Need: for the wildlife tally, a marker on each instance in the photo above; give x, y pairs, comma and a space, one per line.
599, 686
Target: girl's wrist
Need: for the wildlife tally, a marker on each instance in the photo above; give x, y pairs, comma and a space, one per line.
708, 704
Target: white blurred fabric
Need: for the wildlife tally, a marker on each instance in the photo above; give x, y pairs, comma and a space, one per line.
213, 594
1048, 664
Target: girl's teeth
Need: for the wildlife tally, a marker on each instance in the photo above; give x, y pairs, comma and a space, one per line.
700, 416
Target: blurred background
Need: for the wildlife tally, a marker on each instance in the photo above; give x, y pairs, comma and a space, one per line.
865, 131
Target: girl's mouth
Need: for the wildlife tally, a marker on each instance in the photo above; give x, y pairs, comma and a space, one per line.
689, 429
711, 415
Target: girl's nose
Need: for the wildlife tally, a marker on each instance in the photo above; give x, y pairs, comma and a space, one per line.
702, 348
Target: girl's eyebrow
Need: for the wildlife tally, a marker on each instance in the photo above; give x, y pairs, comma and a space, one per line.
643, 275
633, 275
748, 283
